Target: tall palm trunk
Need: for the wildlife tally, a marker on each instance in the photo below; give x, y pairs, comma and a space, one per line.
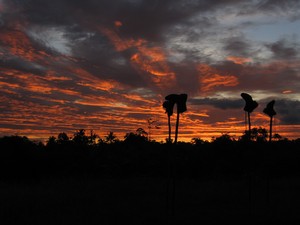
169, 125
269, 110
177, 125
249, 126
271, 126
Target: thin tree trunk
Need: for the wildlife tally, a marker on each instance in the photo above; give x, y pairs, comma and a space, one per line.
177, 124
249, 126
169, 125
271, 122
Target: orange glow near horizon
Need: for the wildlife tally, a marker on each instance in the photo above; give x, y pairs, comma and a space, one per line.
122, 119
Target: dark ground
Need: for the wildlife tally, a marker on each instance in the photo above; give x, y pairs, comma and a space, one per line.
223, 182
143, 201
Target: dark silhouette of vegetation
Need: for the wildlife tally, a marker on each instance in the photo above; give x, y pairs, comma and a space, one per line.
269, 110
256, 134
137, 137
168, 106
198, 141
180, 101
223, 139
111, 138
80, 163
249, 107
83, 154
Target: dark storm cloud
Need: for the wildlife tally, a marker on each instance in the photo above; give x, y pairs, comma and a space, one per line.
20, 64
99, 58
288, 111
284, 49
289, 6
239, 46
267, 76
187, 79
146, 19
218, 103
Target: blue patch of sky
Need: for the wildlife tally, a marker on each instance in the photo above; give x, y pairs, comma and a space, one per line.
274, 32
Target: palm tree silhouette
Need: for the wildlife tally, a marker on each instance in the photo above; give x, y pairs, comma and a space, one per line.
269, 110
168, 106
110, 137
249, 107
180, 101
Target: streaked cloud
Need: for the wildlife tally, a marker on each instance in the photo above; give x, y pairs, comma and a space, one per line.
107, 65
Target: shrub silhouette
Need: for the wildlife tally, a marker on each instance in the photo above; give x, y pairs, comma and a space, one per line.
139, 137
256, 134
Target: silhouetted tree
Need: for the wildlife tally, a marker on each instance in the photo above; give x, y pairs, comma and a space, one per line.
16, 145
62, 138
141, 132
249, 107
51, 142
80, 138
168, 106
256, 134
277, 137
92, 138
269, 110
134, 138
171, 100
197, 141
259, 134
110, 138
223, 139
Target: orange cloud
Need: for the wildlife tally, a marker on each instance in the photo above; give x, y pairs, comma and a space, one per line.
287, 92
239, 60
138, 98
20, 45
119, 43
52, 76
151, 60
89, 80
210, 78
118, 23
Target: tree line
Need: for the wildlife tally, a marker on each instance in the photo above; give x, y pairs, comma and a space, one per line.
84, 154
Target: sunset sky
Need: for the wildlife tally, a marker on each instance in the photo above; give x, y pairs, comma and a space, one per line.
107, 65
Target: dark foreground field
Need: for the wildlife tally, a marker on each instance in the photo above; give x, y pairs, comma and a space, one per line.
143, 201
121, 183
